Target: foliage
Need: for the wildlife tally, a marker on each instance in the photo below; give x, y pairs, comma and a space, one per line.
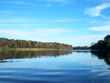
102, 44
11, 43
5, 48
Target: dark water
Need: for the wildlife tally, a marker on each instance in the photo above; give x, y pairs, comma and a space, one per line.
55, 67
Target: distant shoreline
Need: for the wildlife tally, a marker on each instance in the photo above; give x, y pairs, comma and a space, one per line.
89, 50
29, 49
26, 44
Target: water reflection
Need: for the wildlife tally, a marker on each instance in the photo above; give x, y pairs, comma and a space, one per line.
102, 55
31, 54
4, 55
63, 69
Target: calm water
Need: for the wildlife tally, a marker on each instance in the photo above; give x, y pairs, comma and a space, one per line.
54, 67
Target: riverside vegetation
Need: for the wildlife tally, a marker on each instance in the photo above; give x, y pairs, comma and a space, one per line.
102, 44
6, 44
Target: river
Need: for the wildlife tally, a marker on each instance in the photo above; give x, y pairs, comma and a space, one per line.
65, 66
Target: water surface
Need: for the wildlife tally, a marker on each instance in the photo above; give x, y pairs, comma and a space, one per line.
54, 67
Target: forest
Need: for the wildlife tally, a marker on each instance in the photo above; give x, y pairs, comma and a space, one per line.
102, 44
11, 43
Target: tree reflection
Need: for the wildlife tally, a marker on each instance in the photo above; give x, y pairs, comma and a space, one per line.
102, 55
32, 54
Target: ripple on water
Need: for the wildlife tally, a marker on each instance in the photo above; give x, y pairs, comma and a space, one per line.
44, 75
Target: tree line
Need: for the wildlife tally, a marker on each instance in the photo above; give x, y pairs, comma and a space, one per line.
81, 47
102, 44
11, 43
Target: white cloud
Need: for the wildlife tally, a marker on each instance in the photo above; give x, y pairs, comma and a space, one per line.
102, 28
19, 2
21, 24
49, 5
69, 20
15, 33
63, 21
78, 40
52, 35
63, 2
96, 11
10, 12
53, 31
15, 2
54, 0
18, 20
105, 17
41, 34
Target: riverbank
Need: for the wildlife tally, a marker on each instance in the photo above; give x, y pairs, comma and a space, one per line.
28, 49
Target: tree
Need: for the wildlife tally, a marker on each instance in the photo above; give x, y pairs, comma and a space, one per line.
102, 45
31, 44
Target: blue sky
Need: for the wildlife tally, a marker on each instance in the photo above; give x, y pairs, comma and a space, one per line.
75, 22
